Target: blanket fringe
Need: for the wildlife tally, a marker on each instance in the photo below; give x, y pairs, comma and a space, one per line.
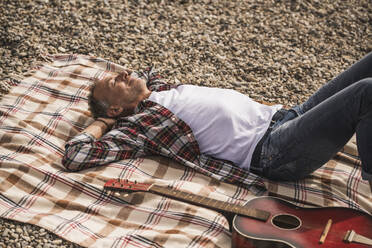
46, 57
7, 84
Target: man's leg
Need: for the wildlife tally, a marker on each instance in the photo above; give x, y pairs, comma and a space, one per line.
359, 70
298, 147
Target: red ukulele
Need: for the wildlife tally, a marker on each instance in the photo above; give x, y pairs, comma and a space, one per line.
272, 222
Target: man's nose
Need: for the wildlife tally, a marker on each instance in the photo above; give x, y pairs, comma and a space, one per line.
123, 76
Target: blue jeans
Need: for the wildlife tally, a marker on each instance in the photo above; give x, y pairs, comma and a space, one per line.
310, 134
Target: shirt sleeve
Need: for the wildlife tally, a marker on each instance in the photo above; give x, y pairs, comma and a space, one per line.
84, 151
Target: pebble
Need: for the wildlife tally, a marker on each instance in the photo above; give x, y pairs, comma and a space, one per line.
14, 235
57, 241
61, 49
271, 50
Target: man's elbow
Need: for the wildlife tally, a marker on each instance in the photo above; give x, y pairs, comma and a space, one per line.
70, 163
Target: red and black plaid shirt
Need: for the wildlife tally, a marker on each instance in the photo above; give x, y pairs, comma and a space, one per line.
151, 130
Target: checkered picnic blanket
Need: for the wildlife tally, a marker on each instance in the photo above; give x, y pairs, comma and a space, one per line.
47, 108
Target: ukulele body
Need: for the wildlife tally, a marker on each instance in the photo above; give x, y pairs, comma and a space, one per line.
292, 226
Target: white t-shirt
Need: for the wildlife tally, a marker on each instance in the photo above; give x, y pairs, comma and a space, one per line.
226, 124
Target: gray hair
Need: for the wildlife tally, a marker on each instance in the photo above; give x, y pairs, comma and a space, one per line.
97, 108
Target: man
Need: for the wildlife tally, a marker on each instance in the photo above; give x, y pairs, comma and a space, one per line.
221, 132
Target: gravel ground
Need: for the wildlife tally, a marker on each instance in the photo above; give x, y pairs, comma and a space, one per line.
276, 51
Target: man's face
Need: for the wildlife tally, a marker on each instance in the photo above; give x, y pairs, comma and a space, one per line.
120, 91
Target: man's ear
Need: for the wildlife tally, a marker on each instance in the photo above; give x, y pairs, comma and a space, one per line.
114, 111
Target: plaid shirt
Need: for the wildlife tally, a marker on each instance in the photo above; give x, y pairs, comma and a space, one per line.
151, 130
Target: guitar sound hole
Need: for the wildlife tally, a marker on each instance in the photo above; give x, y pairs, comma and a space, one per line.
286, 221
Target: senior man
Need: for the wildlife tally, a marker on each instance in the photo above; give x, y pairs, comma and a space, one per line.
222, 132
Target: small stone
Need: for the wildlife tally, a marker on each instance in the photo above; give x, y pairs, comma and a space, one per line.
61, 49
236, 83
322, 12
57, 241
5, 233
123, 61
250, 78
14, 235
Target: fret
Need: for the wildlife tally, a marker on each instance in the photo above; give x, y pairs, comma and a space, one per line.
199, 199
223, 205
189, 196
248, 211
229, 207
208, 201
214, 203
237, 209
232, 208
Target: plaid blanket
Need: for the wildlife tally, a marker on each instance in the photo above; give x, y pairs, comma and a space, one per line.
47, 108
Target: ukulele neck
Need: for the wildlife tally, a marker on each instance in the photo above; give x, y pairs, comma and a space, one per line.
210, 203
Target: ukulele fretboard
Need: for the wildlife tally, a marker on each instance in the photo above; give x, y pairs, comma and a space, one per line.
210, 203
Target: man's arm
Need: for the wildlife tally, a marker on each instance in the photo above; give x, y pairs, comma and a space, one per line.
99, 127
92, 148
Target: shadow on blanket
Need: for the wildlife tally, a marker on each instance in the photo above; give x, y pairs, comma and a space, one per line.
49, 107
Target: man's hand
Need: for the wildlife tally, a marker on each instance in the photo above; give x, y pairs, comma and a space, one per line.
99, 127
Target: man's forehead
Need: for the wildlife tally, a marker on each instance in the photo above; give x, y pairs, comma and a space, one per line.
108, 76
105, 79
103, 82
